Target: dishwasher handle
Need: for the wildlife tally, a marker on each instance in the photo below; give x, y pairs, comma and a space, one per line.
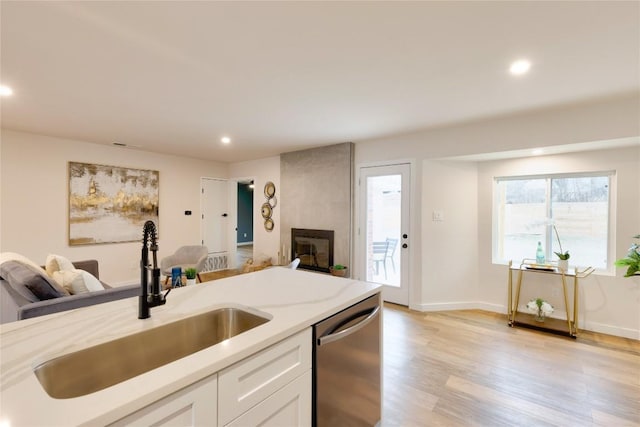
331, 336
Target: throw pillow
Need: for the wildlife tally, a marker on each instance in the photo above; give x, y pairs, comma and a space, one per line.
20, 276
77, 281
12, 256
56, 263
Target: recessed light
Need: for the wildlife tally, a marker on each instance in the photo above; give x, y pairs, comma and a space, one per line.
5, 90
225, 140
520, 67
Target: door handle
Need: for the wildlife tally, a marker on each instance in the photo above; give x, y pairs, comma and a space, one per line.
332, 336
225, 215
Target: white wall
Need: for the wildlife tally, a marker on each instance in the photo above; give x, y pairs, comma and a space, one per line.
450, 246
607, 304
34, 207
262, 171
612, 309
596, 121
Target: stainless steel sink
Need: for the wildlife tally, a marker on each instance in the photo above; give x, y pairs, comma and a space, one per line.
112, 362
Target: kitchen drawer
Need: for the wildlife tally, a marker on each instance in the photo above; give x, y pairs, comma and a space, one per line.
192, 406
289, 406
247, 383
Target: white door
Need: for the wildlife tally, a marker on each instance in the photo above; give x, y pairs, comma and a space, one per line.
384, 229
216, 220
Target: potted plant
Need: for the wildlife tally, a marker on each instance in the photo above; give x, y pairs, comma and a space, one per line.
632, 260
563, 256
541, 308
338, 270
190, 274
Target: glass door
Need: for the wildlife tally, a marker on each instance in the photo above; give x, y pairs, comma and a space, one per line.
384, 229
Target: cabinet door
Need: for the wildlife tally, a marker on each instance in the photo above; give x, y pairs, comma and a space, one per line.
289, 406
250, 381
195, 405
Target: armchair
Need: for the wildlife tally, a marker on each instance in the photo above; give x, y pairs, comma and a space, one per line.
193, 256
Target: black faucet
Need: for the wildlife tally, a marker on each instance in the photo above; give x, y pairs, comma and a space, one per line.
147, 301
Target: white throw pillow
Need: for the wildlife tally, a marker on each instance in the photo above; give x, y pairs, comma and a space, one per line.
77, 281
56, 263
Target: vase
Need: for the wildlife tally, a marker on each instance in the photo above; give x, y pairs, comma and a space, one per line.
338, 272
539, 316
191, 282
563, 264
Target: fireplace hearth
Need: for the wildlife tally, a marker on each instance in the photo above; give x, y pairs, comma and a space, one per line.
313, 247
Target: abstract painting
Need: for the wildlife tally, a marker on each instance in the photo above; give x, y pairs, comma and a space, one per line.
110, 204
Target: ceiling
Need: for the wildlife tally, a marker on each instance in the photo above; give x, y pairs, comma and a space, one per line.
174, 77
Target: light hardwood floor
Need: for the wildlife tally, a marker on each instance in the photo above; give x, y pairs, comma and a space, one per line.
243, 253
468, 368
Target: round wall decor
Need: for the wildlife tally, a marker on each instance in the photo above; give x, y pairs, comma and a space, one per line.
273, 202
269, 190
267, 208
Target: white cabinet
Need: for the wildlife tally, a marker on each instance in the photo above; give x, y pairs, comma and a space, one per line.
195, 405
289, 406
269, 388
267, 378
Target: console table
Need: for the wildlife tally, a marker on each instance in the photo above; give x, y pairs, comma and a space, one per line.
528, 266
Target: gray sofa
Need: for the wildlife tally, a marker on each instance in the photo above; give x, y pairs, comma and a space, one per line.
15, 306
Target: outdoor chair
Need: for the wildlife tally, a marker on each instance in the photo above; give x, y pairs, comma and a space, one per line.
380, 256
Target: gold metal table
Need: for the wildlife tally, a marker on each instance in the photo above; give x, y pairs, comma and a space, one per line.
564, 327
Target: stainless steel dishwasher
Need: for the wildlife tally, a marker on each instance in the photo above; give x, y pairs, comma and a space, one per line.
347, 373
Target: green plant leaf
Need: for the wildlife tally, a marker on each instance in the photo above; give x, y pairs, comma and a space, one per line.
632, 270
563, 256
631, 261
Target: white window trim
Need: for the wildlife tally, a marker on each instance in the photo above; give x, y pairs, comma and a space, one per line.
610, 269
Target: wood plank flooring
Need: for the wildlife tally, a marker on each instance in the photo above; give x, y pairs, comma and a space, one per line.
243, 253
468, 368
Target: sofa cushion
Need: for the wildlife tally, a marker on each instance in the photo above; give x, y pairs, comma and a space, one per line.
28, 282
12, 256
77, 281
56, 263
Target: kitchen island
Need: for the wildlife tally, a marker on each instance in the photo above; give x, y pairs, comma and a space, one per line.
293, 300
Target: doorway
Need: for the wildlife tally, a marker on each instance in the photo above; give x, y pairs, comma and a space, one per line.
244, 224
384, 229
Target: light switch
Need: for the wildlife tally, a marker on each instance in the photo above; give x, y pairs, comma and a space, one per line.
437, 216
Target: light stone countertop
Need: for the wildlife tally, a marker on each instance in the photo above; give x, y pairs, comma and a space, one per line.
295, 299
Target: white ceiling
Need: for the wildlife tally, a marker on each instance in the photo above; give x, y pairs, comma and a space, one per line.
173, 77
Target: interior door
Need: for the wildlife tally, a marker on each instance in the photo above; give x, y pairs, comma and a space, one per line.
384, 229
216, 221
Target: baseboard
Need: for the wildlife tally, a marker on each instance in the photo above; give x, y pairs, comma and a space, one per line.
497, 308
467, 305
602, 328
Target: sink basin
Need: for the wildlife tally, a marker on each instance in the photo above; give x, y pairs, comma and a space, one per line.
98, 367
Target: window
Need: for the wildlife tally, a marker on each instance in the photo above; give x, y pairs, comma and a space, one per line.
526, 209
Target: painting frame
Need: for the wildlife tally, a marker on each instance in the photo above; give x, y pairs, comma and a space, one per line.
110, 204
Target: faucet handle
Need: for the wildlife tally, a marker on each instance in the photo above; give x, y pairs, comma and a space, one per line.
164, 297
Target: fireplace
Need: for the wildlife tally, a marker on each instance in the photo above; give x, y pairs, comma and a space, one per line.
313, 247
